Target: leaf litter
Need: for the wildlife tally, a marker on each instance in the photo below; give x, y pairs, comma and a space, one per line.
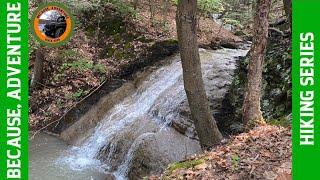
262, 153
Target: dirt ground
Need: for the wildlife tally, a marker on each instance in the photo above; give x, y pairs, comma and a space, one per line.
262, 153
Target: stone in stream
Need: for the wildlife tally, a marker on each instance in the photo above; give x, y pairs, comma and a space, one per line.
152, 153
110, 176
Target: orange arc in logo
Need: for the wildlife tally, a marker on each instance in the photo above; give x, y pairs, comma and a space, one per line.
44, 38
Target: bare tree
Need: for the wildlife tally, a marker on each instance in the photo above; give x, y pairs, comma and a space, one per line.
252, 114
38, 68
205, 124
165, 12
152, 11
288, 9
135, 4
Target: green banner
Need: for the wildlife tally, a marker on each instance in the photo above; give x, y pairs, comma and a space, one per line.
306, 89
14, 89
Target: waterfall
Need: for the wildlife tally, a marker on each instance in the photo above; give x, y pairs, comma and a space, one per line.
151, 109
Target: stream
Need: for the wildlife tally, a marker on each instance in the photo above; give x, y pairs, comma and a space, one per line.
151, 126
44, 153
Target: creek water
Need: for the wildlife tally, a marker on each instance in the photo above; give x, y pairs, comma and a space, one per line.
149, 110
44, 153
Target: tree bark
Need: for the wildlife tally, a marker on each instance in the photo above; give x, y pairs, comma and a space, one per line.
204, 122
165, 12
38, 68
152, 11
252, 114
135, 4
288, 9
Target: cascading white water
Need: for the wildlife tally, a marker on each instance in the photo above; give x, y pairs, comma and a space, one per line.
122, 115
145, 112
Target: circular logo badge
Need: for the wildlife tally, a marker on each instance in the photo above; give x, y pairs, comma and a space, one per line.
52, 24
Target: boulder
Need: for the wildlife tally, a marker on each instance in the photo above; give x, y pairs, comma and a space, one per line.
152, 153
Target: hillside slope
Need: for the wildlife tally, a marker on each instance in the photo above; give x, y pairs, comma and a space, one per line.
262, 153
109, 38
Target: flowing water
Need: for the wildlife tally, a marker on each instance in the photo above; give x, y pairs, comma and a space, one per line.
44, 152
148, 111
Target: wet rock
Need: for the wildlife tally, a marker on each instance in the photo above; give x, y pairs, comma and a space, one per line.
110, 176
115, 150
82, 128
218, 73
152, 126
230, 44
152, 153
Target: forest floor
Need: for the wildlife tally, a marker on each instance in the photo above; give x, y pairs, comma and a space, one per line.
96, 55
262, 153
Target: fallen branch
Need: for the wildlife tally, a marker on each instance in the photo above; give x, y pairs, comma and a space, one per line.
279, 32
73, 106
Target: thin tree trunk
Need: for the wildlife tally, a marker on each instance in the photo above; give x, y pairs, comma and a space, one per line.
165, 12
152, 11
252, 114
288, 9
38, 68
205, 124
135, 4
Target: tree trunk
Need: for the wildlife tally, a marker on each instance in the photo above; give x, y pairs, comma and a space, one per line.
165, 12
252, 114
152, 11
288, 9
38, 68
204, 122
135, 4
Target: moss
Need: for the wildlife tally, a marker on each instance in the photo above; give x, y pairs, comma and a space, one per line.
282, 121
276, 96
184, 165
235, 159
168, 42
144, 39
